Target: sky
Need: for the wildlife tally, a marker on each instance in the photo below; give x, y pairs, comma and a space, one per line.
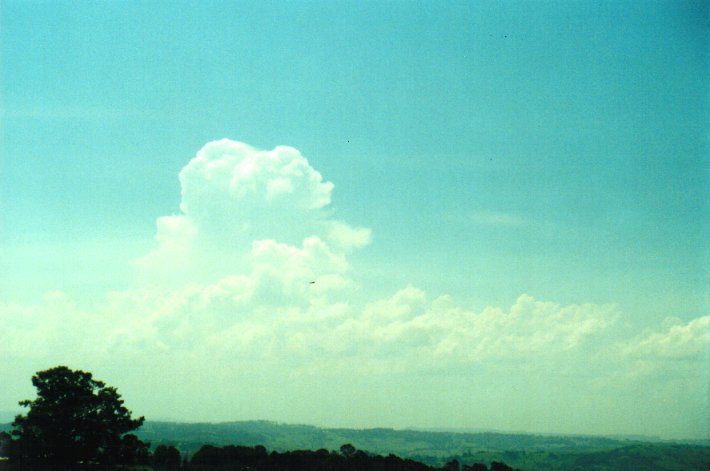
361, 214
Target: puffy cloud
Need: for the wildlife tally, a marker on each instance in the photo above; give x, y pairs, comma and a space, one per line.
404, 332
439, 333
250, 284
347, 238
253, 249
254, 258
234, 186
689, 341
240, 205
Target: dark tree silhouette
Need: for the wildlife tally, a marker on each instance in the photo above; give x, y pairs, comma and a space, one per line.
166, 458
347, 450
475, 467
233, 458
452, 465
134, 451
5, 440
499, 466
75, 419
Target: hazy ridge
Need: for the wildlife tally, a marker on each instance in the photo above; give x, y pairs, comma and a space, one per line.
526, 451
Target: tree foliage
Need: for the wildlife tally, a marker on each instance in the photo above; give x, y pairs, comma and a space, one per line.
75, 419
166, 458
231, 457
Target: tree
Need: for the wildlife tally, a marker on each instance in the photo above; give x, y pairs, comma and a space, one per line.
5, 440
500, 466
347, 450
134, 451
452, 465
475, 467
74, 419
166, 458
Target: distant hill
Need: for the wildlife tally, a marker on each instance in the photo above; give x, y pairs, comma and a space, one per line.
525, 451
7, 416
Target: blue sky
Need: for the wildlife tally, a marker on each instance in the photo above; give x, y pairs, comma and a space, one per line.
490, 150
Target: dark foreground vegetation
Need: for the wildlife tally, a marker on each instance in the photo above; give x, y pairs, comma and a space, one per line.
256, 458
243, 458
78, 423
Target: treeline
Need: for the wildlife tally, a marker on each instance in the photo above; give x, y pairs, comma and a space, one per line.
257, 458
246, 458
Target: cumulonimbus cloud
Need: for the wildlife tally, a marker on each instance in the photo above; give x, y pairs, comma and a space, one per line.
240, 205
255, 257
